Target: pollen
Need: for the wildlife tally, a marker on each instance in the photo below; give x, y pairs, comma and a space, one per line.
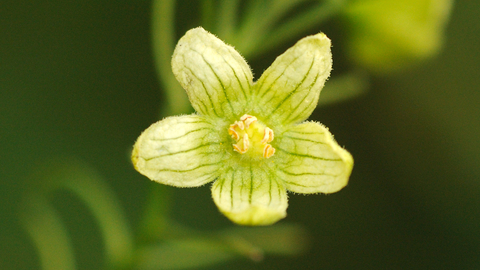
252, 137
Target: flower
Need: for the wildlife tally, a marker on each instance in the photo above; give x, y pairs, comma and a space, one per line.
246, 136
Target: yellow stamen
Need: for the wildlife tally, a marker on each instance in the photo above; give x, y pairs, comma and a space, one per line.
248, 119
240, 125
231, 131
252, 137
268, 151
236, 148
268, 135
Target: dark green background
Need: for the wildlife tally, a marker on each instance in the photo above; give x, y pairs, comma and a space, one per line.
77, 78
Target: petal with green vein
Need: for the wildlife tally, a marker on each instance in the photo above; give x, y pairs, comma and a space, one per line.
309, 160
288, 90
181, 151
216, 77
250, 196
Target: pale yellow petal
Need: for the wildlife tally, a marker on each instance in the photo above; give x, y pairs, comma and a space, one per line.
309, 160
181, 151
288, 91
216, 77
250, 196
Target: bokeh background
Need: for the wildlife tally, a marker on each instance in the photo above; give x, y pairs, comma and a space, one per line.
77, 79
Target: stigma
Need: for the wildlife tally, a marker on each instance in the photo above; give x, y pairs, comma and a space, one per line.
252, 137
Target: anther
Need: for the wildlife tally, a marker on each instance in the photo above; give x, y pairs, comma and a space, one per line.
236, 148
267, 135
248, 120
231, 131
252, 137
240, 125
268, 151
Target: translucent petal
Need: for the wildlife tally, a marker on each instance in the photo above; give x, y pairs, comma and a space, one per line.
216, 77
181, 151
288, 90
309, 160
250, 196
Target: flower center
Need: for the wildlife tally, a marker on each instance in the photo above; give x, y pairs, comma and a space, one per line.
252, 137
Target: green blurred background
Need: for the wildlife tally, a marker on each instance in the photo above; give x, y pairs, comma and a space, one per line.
77, 79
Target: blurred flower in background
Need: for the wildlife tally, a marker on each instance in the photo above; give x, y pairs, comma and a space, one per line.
389, 35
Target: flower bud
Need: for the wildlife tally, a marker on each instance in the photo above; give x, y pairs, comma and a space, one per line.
388, 35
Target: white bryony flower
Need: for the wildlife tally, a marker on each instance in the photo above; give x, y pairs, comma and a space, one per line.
246, 136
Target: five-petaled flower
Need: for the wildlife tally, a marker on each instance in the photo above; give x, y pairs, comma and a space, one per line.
246, 136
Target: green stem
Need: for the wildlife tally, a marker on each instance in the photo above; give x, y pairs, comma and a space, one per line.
46, 228
208, 14
105, 207
48, 233
227, 19
163, 34
154, 219
251, 26
259, 20
292, 28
